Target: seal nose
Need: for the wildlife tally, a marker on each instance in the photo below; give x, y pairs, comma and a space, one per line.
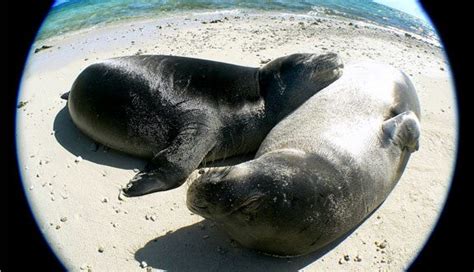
333, 60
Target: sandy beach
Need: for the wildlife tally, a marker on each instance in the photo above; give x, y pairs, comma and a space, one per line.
73, 187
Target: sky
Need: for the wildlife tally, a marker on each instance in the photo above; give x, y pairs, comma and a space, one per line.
411, 7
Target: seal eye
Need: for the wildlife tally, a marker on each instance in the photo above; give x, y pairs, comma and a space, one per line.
250, 205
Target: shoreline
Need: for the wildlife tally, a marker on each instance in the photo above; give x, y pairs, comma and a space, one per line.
220, 13
73, 189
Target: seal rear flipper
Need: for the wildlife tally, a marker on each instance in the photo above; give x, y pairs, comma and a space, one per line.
403, 130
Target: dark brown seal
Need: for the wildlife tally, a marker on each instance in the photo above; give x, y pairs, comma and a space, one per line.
179, 111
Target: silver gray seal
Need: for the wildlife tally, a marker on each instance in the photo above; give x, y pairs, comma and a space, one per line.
322, 170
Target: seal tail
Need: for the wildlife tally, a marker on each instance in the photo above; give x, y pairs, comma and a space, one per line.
65, 95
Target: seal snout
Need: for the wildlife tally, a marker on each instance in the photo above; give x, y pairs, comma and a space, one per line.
332, 61
327, 67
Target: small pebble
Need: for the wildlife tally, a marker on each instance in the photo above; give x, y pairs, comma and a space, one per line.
143, 264
101, 249
78, 159
58, 227
346, 257
63, 219
383, 244
153, 218
105, 200
340, 261
357, 259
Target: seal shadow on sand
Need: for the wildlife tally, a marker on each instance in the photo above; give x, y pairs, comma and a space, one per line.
74, 141
204, 247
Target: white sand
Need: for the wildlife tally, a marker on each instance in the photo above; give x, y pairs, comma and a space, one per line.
77, 205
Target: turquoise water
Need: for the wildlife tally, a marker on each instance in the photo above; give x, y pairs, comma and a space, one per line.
70, 15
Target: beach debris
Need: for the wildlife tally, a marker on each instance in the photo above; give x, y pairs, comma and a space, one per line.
42, 48
143, 264
150, 217
381, 245
64, 195
101, 249
21, 104
78, 159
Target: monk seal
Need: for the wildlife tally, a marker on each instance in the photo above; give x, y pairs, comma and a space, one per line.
178, 111
322, 170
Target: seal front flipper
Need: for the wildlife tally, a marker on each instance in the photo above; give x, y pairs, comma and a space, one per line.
171, 166
403, 130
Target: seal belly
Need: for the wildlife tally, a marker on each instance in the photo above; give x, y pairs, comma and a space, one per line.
112, 106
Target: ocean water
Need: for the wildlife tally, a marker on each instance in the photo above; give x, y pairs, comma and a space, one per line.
70, 15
